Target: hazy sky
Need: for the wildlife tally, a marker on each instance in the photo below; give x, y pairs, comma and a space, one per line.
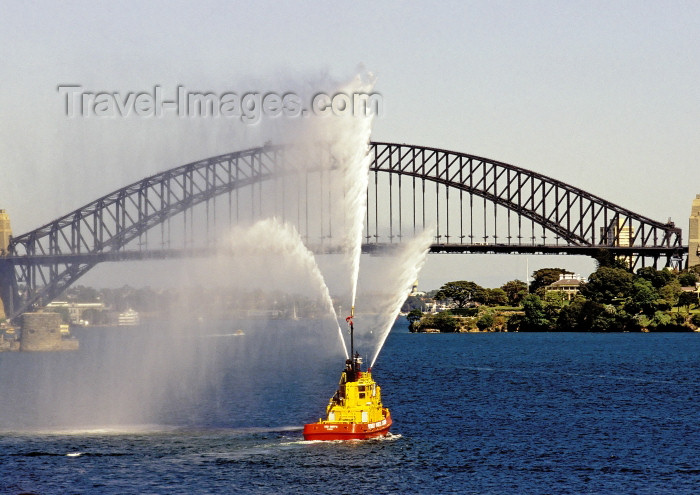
602, 95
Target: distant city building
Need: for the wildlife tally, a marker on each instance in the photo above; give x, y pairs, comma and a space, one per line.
433, 307
619, 234
568, 284
76, 310
694, 233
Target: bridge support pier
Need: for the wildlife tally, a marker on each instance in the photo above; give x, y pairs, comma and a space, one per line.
7, 288
7, 273
694, 233
42, 332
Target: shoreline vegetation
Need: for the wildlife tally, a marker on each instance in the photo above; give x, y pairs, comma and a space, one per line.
613, 299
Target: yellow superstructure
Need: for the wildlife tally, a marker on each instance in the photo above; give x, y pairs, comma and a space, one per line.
358, 401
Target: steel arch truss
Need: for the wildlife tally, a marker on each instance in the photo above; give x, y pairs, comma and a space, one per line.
43, 262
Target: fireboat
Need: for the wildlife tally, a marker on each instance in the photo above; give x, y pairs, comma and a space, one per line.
355, 412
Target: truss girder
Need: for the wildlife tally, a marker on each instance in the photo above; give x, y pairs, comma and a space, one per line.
578, 217
112, 221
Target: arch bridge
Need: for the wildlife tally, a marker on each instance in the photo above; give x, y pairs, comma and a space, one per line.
474, 205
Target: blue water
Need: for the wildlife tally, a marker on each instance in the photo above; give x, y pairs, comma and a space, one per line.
473, 413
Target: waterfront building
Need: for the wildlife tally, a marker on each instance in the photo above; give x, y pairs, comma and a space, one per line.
568, 284
434, 307
76, 310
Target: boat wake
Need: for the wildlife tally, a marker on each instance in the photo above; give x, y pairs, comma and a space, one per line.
389, 437
239, 333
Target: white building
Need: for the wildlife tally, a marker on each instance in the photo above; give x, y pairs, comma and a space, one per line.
568, 284
76, 310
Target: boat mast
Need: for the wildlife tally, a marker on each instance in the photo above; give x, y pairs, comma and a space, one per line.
352, 337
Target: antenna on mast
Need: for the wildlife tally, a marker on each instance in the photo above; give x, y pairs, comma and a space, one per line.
352, 338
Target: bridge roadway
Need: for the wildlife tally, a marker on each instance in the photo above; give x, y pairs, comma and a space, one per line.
377, 249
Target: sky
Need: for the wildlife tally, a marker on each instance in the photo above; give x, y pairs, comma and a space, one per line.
602, 95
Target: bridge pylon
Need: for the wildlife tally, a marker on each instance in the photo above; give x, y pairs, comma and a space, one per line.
694, 233
6, 269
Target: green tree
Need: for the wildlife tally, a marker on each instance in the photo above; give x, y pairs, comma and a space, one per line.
486, 321
496, 297
584, 315
671, 292
658, 278
535, 317
688, 279
555, 298
668, 322
569, 315
516, 290
81, 293
443, 321
695, 319
446, 322
611, 319
607, 284
461, 292
642, 298
687, 299
413, 318
579, 315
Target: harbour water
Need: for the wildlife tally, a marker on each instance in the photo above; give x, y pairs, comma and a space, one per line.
473, 413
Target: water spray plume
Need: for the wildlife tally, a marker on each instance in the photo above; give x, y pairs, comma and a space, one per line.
287, 241
356, 206
349, 140
406, 270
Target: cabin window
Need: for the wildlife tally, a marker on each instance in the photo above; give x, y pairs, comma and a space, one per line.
374, 390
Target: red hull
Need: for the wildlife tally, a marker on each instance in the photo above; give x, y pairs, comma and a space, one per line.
346, 431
